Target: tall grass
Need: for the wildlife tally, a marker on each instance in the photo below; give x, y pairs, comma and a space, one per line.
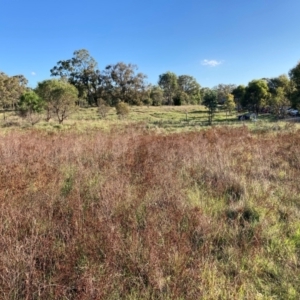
130, 214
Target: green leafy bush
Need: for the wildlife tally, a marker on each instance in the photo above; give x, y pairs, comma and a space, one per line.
30, 106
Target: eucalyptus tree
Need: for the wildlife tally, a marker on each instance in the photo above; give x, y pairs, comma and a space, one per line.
156, 95
239, 94
256, 95
82, 72
294, 74
168, 82
60, 98
121, 83
281, 89
210, 101
189, 86
223, 90
3, 89
229, 104
65, 97
278, 102
203, 91
281, 81
11, 88
45, 91
181, 98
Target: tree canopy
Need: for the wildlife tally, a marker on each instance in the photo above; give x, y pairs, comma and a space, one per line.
11, 88
183, 89
223, 90
81, 71
229, 103
295, 78
60, 97
168, 83
121, 83
156, 95
295, 75
256, 94
189, 85
210, 100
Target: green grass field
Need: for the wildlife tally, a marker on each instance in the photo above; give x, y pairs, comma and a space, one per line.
161, 119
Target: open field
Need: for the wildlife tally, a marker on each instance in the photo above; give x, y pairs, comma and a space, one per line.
126, 211
162, 119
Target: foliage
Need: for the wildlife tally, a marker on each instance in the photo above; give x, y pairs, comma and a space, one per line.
295, 78
168, 83
60, 98
118, 82
147, 100
256, 95
210, 101
122, 109
45, 90
181, 98
282, 81
229, 103
121, 83
294, 74
190, 88
239, 94
11, 88
30, 106
65, 97
157, 95
279, 102
81, 71
223, 90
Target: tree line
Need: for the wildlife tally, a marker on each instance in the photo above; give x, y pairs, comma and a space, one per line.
121, 82
78, 82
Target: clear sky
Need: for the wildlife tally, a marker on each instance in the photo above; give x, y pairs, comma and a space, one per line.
216, 41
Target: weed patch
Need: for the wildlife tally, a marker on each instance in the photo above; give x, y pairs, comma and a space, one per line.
127, 213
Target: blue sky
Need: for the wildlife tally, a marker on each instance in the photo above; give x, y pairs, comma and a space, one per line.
216, 41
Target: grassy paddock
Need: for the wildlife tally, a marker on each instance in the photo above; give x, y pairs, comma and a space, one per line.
163, 119
127, 213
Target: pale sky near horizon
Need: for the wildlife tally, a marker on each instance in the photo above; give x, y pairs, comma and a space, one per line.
216, 41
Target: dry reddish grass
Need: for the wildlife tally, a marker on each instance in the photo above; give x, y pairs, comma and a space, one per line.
134, 215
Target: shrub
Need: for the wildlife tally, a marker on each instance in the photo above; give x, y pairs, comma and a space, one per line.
30, 107
122, 109
103, 108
